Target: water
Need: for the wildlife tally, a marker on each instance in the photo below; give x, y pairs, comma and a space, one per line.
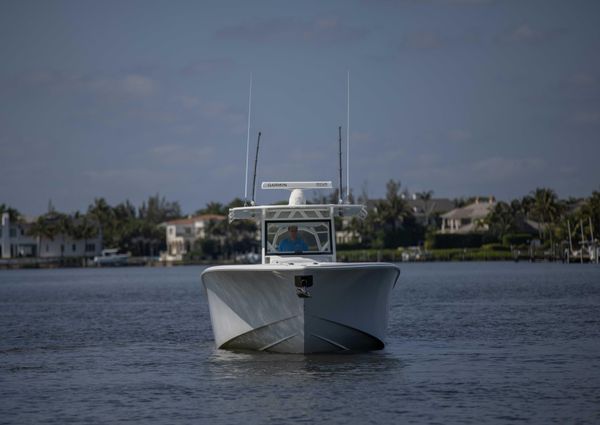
467, 343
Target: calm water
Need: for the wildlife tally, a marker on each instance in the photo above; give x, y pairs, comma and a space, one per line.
467, 343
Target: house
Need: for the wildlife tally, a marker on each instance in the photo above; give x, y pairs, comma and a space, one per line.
182, 233
347, 236
426, 211
468, 219
17, 241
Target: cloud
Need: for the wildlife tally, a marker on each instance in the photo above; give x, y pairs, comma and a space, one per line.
208, 66
587, 117
214, 109
525, 34
175, 154
500, 169
129, 84
583, 80
432, 40
322, 30
472, 2
422, 40
361, 138
231, 118
122, 177
208, 114
460, 135
187, 102
43, 78
450, 2
581, 88
493, 171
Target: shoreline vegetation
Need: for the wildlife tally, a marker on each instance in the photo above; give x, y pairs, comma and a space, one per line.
349, 256
537, 227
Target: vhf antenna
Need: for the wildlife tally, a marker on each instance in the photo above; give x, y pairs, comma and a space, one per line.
248, 144
255, 163
341, 194
348, 144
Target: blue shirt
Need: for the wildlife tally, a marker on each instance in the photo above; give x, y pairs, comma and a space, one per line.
288, 245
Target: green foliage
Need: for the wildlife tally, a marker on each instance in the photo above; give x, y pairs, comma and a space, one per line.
131, 230
501, 219
451, 254
13, 214
494, 247
454, 240
159, 210
516, 239
546, 209
390, 223
203, 249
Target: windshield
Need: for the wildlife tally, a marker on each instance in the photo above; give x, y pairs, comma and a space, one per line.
298, 237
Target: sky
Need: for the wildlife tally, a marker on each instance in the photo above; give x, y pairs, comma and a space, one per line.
127, 99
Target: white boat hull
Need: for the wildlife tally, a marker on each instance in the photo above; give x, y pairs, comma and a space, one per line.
113, 260
258, 307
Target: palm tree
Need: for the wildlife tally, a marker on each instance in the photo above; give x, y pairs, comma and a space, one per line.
545, 209
84, 228
591, 209
390, 214
159, 210
43, 227
214, 208
103, 214
501, 219
426, 196
13, 214
65, 228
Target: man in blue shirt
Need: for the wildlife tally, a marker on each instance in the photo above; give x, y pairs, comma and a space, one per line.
293, 243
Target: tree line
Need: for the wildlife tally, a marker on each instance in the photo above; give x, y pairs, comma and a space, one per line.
122, 226
391, 222
558, 220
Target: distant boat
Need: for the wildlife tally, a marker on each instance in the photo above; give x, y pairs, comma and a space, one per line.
248, 258
299, 300
111, 257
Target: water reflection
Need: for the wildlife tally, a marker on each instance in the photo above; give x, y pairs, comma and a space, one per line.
236, 363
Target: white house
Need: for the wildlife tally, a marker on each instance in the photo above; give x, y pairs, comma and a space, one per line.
468, 219
347, 237
17, 242
182, 233
425, 211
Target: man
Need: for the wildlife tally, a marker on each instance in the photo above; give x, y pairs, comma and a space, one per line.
293, 243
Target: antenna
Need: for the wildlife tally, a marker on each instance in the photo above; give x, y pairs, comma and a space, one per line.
255, 162
348, 143
248, 144
340, 195
581, 244
570, 241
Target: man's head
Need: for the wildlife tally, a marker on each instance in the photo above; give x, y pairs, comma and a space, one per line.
293, 230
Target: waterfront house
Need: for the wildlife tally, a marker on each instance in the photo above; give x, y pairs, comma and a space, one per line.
468, 219
181, 234
19, 241
427, 211
347, 236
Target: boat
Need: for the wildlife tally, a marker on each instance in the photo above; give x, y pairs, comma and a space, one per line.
111, 257
299, 299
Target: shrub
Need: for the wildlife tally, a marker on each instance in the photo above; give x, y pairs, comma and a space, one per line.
452, 240
516, 239
494, 247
